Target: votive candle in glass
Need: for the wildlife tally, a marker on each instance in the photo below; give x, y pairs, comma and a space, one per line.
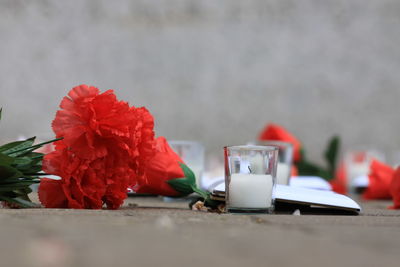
284, 169
250, 178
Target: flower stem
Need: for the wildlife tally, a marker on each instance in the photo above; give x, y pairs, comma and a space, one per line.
206, 195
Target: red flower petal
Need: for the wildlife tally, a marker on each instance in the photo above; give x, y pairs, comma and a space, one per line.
278, 133
163, 166
380, 178
339, 183
51, 194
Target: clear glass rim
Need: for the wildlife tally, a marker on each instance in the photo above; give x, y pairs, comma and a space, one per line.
252, 147
272, 142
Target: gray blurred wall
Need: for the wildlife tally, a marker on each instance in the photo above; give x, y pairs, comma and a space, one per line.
215, 71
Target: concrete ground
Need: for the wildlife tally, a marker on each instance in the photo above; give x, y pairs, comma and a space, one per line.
150, 232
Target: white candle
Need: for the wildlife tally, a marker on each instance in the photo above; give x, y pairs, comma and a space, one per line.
257, 164
282, 173
250, 191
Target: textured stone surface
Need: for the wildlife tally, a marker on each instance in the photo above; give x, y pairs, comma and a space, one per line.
155, 233
215, 71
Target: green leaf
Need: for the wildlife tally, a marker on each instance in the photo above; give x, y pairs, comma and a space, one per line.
27, 164
45, 143
184, 185
188, 173
13, 147
10, 194
23, 192
9, 189
308, 168
20, 167
22, 161
35, 155
16, 184
29, 150
325, 174
23, 203
206, 196
31, 170
180, 185
6, 160
302, 154
331, 154
7, 172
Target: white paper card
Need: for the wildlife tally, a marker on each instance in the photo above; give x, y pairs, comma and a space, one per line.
313, 182
314, 197
308, 196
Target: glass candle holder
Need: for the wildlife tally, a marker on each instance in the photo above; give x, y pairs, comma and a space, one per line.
192, 153
357, 164
250, 178
285, 160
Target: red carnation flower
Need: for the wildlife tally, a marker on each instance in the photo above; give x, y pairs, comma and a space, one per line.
105, 148
91, 123
51, 194
278, 133
380, 179
161, 168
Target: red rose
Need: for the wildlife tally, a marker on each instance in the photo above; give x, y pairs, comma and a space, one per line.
105, 147
380, 179
162, 167
395, 189
277, 133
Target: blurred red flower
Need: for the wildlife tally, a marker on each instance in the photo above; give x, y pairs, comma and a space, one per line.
278, 133
163, 166
395, 189
380, 179
339, 182
106, 145
294, 171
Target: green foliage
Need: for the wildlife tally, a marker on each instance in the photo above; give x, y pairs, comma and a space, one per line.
184, 185
20, 167
332, 153
187, 185
327, 172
